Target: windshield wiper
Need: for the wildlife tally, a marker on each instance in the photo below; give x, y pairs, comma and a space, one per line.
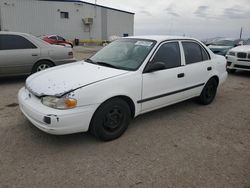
107, 65
90, 61
102, 63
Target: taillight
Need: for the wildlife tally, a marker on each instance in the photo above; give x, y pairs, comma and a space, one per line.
70, 53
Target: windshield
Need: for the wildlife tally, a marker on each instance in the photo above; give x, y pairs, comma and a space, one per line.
127, 54
247, 42
224, 43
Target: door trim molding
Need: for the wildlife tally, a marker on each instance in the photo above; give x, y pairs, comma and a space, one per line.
169, 93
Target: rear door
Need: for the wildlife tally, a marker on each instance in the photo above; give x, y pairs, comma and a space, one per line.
17, 54
198, 67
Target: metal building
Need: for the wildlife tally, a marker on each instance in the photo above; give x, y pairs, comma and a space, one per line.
68, 18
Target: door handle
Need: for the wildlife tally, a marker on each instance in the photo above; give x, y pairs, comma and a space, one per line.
209, 68
34, 55
181, 75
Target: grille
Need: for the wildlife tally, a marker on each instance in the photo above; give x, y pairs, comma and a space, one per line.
242, 55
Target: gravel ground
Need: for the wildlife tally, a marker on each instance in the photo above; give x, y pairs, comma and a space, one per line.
184, 145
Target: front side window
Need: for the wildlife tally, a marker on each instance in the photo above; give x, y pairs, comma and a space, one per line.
194, 53
127, 54
14, 42
169, 54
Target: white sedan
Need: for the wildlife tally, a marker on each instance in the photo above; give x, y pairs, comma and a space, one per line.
238, 59
127, 78
22, 54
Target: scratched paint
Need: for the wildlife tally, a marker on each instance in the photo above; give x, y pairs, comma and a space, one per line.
65, 79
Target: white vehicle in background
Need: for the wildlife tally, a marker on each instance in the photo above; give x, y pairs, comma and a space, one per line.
129, 77
239, 58
22, 54
114, 37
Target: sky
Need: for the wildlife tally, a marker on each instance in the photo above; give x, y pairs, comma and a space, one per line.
196, 18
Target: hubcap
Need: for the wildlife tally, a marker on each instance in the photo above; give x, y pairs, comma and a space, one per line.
42, 67
113, 119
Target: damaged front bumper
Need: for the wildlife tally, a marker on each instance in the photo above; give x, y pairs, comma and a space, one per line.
54, 121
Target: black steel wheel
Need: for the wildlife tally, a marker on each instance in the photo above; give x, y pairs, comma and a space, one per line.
111, 119
209, 92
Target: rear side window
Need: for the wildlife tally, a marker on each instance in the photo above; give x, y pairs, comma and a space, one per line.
53, 37
204, 55
169, 54
60, 38
14, 42
194, 53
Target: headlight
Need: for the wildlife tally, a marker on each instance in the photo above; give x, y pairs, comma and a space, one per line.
59, 103
231, 53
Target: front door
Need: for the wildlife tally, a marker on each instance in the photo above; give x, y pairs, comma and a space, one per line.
163, 87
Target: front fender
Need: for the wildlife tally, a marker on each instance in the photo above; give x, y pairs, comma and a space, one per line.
129, 85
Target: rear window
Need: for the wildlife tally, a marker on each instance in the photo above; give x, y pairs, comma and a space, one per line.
15, 42
194, 53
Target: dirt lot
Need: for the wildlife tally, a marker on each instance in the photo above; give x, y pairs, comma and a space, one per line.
185, 145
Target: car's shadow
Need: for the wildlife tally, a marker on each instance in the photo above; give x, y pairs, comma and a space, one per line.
12, 80
57, 140
86, 139
241, 73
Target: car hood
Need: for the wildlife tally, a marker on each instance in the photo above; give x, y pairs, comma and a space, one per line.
244, 48
63, 79
220, 48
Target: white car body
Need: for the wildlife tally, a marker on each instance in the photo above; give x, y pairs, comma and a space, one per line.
21, 61
238, 58
92, 85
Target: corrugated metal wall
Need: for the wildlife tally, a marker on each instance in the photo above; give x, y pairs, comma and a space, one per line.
43, 17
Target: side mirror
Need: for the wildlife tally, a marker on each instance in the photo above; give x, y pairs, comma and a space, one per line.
156, 66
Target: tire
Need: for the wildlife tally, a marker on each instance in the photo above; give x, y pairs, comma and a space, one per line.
231, 71
209, 92
111, 119
41, 65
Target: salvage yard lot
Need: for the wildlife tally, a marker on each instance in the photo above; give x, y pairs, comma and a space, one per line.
184, 145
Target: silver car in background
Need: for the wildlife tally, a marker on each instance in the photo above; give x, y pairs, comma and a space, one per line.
22, 54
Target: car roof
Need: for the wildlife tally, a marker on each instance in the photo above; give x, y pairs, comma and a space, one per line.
13, 33
50, 35
160, 38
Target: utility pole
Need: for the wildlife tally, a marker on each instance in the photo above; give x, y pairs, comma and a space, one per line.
95, 8
241, 30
